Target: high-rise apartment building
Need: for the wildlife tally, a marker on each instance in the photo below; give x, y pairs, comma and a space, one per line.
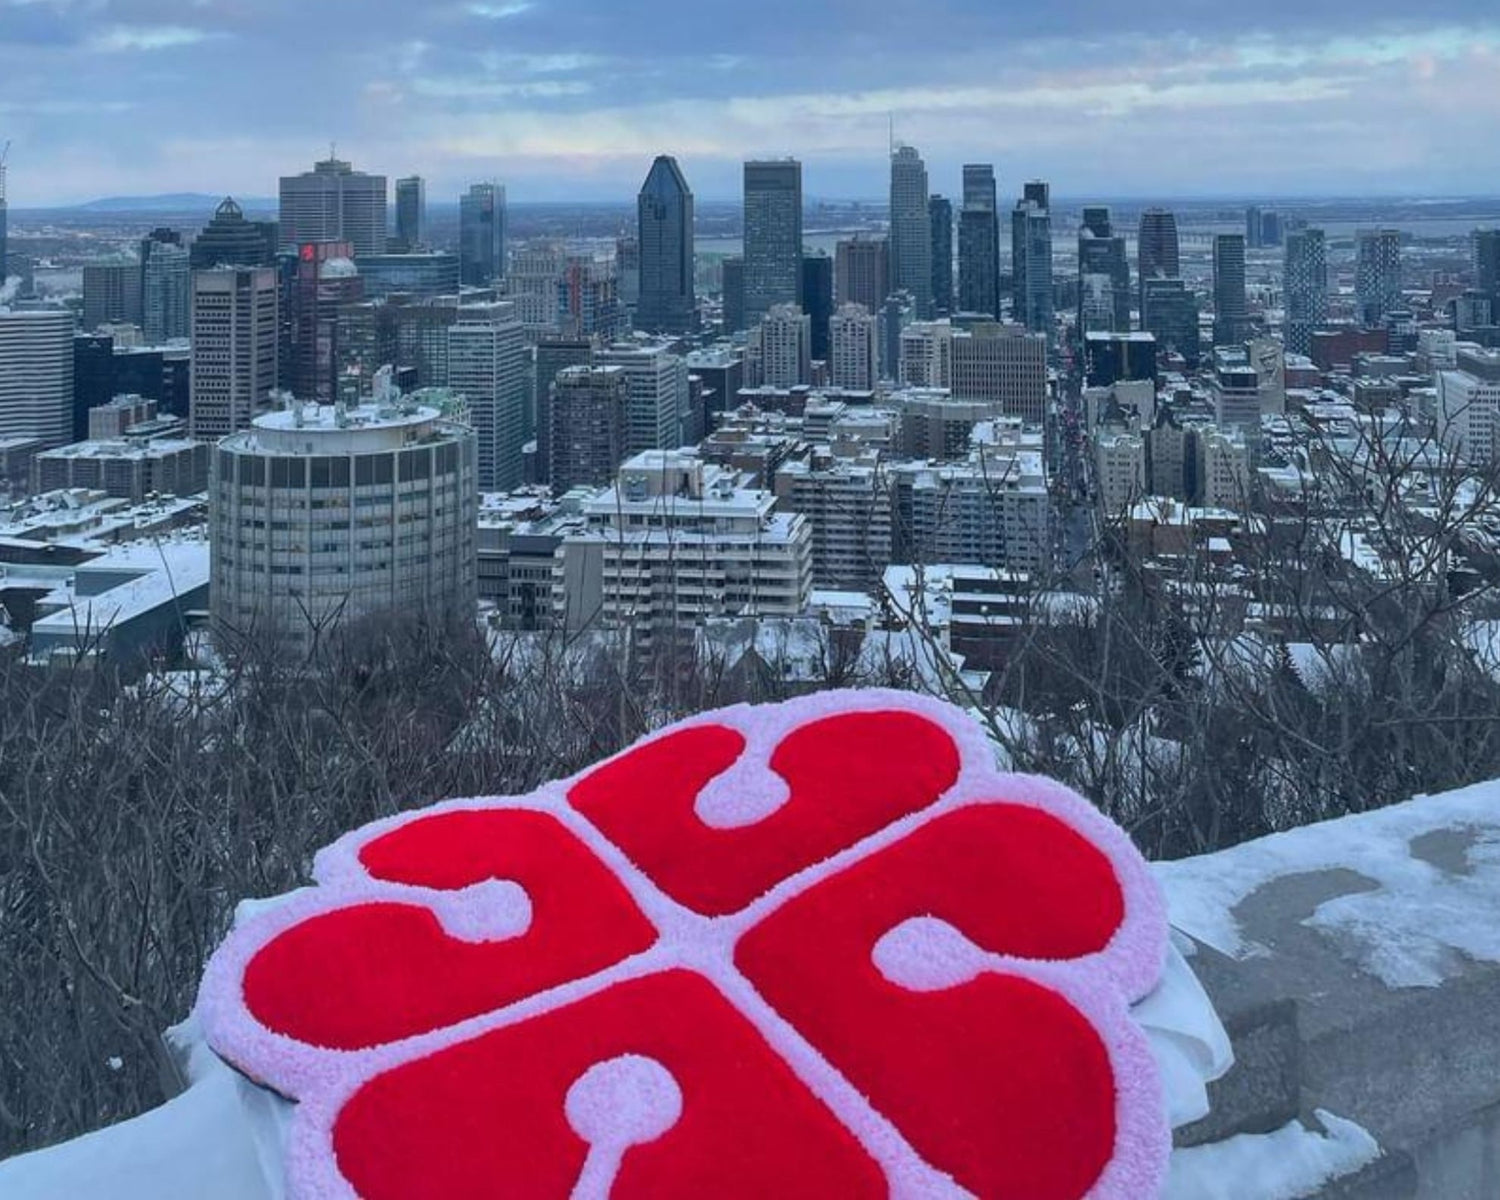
658, 383
586, 413
481, 234
1231, 306
773, 237
231, 240
488, 369
1306, 286
36, 375
979, 243
940, 215
783, 346
411, 214
334, 203
550, 357
1377, 275
1158, 252
854, 356
1031, 258
861, 272
911, 229
320, 516
235, 345
664, 232
166, 287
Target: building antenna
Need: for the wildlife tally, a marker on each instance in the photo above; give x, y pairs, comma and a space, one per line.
4, 154
892, 146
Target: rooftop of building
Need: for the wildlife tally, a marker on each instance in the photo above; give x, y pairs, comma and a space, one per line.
136, 449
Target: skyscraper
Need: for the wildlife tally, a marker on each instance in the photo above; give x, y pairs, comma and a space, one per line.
1231, 308
334, 203
234, 348
586, 412
773, 237
861, 272
487, 366
817, 300
911, 229
733, 293
111, 294
1253, 228
1306, 287
940, 214
166, 288
658, 394
1103, 274
36, 375
664, 233
1487, 263
1031, 258
979, 243
4, 225
1158, 254
411, 213
481, 235
230, 240
1169, 312
326, 280
1377, 275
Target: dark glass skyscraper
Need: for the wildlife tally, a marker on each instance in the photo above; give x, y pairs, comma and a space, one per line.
1158, 252
1486, 262
411, 213
481, 234
1103, 276
1031, 257
664, 230
940, 215
979, 243
773, 237
1231, 308
817, 300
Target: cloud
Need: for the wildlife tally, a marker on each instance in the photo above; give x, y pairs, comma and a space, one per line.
499, 12
120, 38
574, 97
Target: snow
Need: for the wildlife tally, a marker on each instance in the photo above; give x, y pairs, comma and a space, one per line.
1409, 931
167, 1154
1290, 1163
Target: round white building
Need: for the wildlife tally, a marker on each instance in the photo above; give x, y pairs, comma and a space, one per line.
322, 514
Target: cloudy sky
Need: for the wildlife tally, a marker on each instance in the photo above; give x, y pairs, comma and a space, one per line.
571, 98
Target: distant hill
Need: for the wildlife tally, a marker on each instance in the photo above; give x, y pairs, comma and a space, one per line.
171, 202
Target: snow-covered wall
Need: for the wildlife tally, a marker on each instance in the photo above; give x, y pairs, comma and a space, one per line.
1356, 965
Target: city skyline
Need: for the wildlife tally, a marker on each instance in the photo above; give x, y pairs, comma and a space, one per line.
568, 99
